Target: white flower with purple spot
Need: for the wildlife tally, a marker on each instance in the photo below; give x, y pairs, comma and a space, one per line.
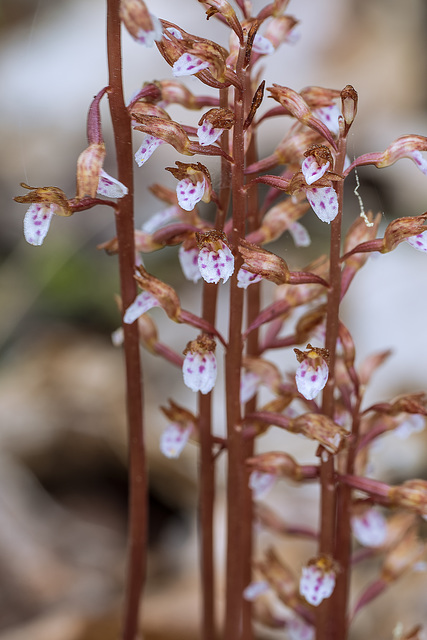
317, 581
411, 423
142, 303
311, 374
148, 146
245, 278
189, 194
299, 234
199, 366
207, 134
148, 38
330, 117
37, 222
262, 45
255, 589
261, 483
419, 160
110, 187
370, 528
215, 259
324, 202
173, 440
159, 219
188, 64
312, 170
175, 32
249, 385
419, 241
188, 259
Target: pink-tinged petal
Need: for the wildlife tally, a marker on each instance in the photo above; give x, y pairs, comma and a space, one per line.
261, 483
316, 585
110, 187
256, 589
249, 385
330, 117
142, 303
298, 629
199, 371
188, 65
312, 170
411, 423
245, 278
37, 222
262, 45
207, 134
147, 38
419, 241
311, 380
159, 219
370, 528
214, 265
173, 440
299, 234
294, 35
188, 259
324, 202
421, 162
147, 148
189, 194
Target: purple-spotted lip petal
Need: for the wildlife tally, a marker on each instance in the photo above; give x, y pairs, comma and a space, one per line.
110, 187
324, 202
37, 222
188, 64
312, 171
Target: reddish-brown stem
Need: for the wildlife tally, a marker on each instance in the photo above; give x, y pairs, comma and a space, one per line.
325, 625
236, 469
136, 562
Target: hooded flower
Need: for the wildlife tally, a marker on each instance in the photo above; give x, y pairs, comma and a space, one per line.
199, 367
312, 372
317, 580
44, 203
190, 193
215, 258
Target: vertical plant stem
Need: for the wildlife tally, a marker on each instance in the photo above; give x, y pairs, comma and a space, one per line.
325, 618
136, 562
233, 363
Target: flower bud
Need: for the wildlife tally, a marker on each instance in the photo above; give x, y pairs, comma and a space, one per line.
215, 259
264, 263
349, 100
312, 372
89, 165
194, 184
212, 124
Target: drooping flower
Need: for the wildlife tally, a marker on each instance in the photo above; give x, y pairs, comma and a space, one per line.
148, 146
194, 184
44, 203
261, 483
207, 134
324, 202
317, 580
419, 241
369, 528
188, 259
312, 372
215, 259
190, 193
142, 25
142, 303
199, 367
173, 440
188, 64
245, 278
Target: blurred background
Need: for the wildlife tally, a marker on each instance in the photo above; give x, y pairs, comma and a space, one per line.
62, 426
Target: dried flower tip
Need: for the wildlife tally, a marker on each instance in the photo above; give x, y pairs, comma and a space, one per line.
148, 146
173, 440
349, 99
188, 259
215, 259
261, 483
317, 580
142, 25
312, 373
320, 428
163, 293
419, 241
89, 165
199, 367
369, 528
227, 12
